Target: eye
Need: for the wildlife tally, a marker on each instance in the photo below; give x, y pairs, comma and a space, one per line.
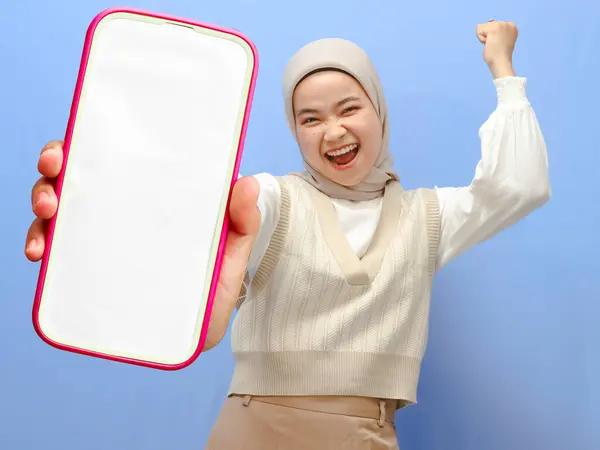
309, 120
349, 109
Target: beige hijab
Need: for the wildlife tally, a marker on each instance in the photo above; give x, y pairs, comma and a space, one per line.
348, 57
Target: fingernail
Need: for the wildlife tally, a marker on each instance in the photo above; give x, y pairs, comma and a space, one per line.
42, 196
32, 244
55, 151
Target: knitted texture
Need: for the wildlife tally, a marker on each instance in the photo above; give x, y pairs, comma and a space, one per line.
318, 320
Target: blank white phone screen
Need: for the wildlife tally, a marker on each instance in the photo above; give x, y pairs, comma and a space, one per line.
145, 189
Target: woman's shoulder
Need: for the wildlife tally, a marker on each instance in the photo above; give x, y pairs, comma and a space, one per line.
410, 193
419, 198
269, 190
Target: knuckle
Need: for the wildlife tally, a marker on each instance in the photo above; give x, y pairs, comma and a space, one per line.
53, 145
32, 229
42, 185
35, 230
37, 185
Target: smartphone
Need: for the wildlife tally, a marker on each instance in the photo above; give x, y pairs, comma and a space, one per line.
152, 150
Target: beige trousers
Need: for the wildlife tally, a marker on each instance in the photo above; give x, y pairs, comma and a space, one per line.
304, 423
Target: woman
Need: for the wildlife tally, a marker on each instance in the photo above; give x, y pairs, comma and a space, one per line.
338, 260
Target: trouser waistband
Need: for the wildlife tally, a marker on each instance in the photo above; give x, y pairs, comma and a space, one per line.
381, 410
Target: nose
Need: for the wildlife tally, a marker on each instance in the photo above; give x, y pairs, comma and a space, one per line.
334, 132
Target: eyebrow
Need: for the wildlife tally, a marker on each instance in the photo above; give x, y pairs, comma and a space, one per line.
338, 104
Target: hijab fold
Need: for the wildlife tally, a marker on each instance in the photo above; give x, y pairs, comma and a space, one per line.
343, 55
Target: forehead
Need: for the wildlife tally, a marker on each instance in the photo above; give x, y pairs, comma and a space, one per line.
327, 86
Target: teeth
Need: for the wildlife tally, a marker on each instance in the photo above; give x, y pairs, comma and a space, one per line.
343, 150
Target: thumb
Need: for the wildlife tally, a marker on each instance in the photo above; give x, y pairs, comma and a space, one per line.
243, 213
481, 32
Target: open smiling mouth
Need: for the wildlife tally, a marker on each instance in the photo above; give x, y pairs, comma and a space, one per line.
343, 156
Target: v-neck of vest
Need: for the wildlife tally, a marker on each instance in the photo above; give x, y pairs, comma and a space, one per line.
359, 271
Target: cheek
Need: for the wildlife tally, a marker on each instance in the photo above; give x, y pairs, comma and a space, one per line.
371, 139
309, 143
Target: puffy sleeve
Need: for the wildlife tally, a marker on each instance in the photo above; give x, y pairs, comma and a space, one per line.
510, 181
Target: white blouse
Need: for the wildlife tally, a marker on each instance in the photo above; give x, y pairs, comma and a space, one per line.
511, 180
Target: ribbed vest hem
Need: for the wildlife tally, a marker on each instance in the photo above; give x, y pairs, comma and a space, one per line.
326, 373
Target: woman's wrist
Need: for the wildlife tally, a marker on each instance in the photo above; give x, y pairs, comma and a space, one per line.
501, 69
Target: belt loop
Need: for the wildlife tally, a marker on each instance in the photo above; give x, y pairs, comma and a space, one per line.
247, 399
381, 420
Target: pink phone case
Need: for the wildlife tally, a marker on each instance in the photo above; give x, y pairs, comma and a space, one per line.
59, 185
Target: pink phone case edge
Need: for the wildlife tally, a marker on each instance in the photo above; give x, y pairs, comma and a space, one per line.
59, 182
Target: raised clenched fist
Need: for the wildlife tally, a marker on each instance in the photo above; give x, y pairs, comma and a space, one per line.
499, 39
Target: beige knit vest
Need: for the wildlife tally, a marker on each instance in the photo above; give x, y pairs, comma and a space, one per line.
318, 320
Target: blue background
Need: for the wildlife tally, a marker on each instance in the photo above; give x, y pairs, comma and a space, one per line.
513, 360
